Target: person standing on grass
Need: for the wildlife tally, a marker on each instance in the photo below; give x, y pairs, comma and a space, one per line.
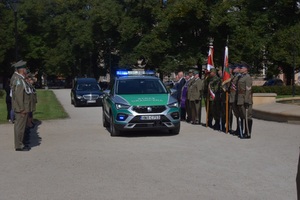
21, 100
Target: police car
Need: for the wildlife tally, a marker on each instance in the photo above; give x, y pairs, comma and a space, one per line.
137, 100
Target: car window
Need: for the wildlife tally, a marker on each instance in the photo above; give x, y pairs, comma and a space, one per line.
140, 86
88, 86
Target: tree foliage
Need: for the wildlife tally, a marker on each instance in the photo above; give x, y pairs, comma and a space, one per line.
70, 37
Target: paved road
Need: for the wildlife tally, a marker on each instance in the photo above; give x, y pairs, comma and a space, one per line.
76, 158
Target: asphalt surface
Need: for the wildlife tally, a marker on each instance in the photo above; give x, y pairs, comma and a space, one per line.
76, 158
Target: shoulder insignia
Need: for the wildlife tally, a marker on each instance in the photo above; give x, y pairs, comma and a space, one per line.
18, 82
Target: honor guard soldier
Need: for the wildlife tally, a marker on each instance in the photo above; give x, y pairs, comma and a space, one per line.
233, 98
196, 90
188, 97
21, 100
244, 100
214, 99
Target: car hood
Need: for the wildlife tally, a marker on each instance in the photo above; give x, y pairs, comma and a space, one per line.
79, 92
144, 99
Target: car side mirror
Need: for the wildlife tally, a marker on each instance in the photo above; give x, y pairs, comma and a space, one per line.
173, 91
106, 92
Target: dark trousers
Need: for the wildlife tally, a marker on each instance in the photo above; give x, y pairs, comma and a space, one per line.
8, 107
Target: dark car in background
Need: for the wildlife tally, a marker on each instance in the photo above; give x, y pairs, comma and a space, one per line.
274, 82
86, 91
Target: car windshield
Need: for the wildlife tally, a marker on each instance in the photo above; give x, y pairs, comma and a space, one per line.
140, 86
88, 86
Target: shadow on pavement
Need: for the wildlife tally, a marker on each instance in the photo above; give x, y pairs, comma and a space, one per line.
33, 138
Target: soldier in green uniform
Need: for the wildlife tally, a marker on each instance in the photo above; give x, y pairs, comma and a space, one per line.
244, 99
214, 98
233, 98
21, 100
188, 96
196, 90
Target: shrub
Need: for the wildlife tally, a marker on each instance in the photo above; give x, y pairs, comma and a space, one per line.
279, 90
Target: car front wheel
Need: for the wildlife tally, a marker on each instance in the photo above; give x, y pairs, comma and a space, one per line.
113, 131
104, 120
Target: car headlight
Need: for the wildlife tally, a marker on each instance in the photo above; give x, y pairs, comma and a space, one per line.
79, 97
173, 105
121, 106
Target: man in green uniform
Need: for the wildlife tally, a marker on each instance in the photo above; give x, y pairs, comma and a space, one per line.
196, 90
233, 98
21, 100
188, 96
214, 98
244, 99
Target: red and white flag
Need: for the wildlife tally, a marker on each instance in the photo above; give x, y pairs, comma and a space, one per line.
226, 73
210, 60
211, 93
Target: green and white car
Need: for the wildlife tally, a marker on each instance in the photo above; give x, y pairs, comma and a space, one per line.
139, 103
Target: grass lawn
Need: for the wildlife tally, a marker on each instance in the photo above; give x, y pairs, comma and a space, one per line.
48, 107
286, 96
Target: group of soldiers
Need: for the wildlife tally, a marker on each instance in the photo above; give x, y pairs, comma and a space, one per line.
236, 92
24, 101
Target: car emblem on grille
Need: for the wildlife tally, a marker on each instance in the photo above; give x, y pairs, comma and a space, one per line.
149, 109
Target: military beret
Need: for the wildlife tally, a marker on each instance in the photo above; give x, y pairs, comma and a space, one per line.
20, 64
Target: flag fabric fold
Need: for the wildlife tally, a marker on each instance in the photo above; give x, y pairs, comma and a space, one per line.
210, 62
226, 72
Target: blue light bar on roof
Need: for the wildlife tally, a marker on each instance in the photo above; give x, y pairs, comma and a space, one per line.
135, 72
122, 73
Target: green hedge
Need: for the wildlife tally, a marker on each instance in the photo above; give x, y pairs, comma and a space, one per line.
279, 90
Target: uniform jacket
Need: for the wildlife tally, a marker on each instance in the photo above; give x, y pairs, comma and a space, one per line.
233, 88
214, 86
196, 90
244, 90
21, 95
190, 82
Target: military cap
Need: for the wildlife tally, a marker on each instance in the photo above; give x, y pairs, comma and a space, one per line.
196, 72
244, 64
191, 71
20, 64
213, 70
232, 67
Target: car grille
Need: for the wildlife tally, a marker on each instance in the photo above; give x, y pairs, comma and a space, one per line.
149, 109
137, 119
90, 97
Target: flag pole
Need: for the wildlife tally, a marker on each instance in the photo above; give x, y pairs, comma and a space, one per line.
227, 99
209, 65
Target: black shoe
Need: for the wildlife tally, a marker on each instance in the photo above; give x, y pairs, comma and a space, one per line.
23, 149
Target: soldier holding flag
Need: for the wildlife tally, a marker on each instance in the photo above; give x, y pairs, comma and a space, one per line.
214, 99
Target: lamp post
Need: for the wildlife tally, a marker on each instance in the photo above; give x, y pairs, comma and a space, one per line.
14, 6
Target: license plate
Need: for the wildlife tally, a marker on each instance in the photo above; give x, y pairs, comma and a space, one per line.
91, 101
150, 117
